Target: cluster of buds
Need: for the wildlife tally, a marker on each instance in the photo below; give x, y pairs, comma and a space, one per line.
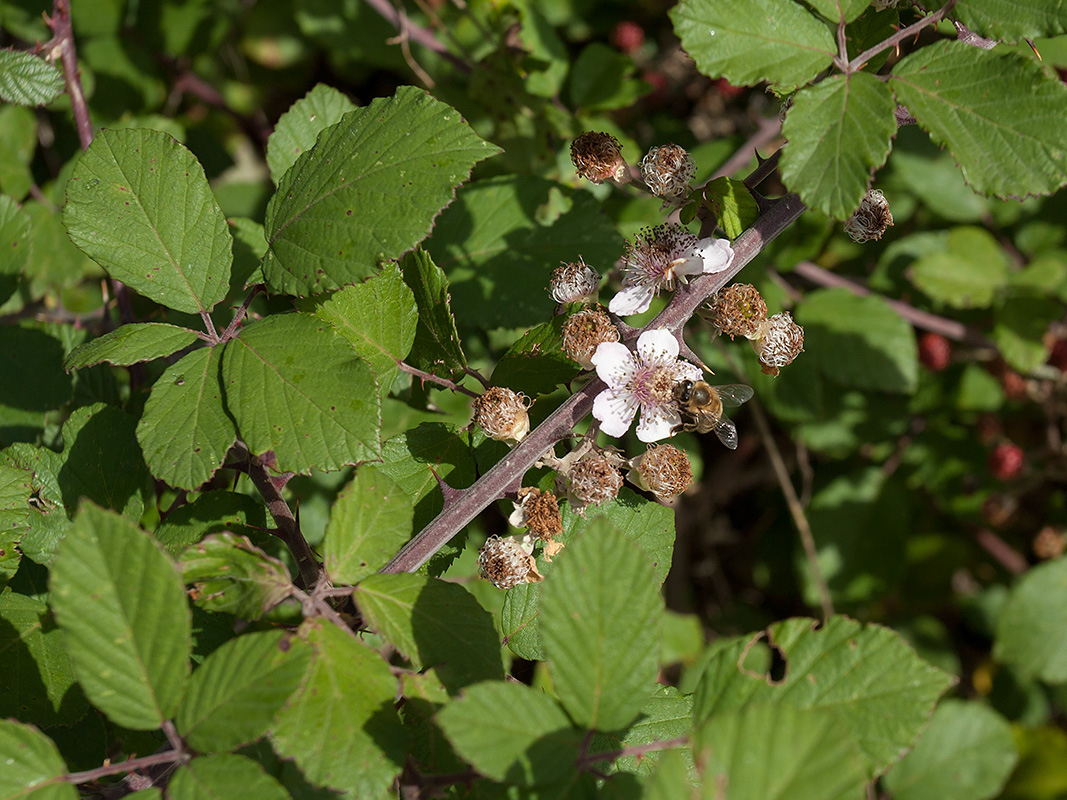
502, 414
871, 219
583, 332
667, 171
663, 470
598, 157
739, 310
507, 562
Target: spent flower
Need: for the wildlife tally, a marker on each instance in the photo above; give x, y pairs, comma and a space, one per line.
738, 310
667, 170
507, 562
782, 340
598, 157
663, 470
643, 380
871, 219
584, 332
501, 413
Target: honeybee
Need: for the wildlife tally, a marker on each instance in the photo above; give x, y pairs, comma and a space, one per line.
701, 407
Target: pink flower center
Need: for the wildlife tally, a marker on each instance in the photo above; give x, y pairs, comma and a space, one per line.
653, 385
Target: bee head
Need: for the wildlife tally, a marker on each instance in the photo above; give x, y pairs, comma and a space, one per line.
682, 391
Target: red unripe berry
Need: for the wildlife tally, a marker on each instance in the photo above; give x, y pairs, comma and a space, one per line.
988, 428
1006, 461
658, 81
628, 36
727, 89
1013, 384
935, 351
1058, 356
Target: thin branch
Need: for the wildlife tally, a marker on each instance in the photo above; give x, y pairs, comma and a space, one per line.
209, 323
129, 765
429, 376
231, 329
416, 33
1006, 555
859, 61
948, 328
633, 750
767, 132
64, 43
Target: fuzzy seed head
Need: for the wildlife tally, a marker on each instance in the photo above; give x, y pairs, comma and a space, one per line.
584, 331
540, 513
574, 282
871, 219
594, 479
663, 470
782, 341
738, 310
505, 563
501, 413
667, 170
598, 157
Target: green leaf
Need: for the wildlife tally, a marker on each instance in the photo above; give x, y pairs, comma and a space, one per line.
378, 318
748, 41
18, 142
185, 431
511, 733
503, 237
368, 190
233, 576
599, 79
101, 460
733, 205
369, 522
139, 205
341, 727
776, 752
1019, 328
437, 347
235, 694
838, 10
121, 605
667, 715
16, 489
930, 173
299, 127
131, 344
536, 364
882, 691
999, 114
859, 341
31, 363
211, 512
16, 245
223, 777
37, 681
295, 387
1032, 627
432, 622
1010, 21
28, 80
839, 132
33, 767
967, 753
968, 273
603, 664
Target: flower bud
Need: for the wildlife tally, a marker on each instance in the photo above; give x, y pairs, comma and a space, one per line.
574, 282
738, 310
663, 470
594, 480
506, 563
667, 170
538, 512
583, 332
598, 157
781, 342
871, 219
501, 413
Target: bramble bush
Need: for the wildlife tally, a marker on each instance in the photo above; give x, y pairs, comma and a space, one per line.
324, 471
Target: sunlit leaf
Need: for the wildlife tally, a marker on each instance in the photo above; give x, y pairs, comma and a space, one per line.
299, 127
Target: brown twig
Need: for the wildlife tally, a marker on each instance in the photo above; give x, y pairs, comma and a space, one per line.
1006, 555
417, 34
859, 61
429, 376
64, 43
129, 765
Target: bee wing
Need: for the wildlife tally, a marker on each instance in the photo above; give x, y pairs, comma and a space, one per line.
734, 394
727, 432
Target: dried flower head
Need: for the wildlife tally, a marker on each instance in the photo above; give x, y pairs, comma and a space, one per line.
598, 157
667, 170
501, 413
507, 562
738, 310
661, 257
574, 282
583, 332
538, 512
871, 219
663, 470
782, 341
1049, 543
593, 479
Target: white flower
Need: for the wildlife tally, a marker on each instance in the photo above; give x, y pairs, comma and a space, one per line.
646, 379
662, 256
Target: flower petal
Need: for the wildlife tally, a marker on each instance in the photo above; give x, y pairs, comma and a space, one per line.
658, 347
615, 410
683, 370
615, 364
716, 254
657, 422
631, 300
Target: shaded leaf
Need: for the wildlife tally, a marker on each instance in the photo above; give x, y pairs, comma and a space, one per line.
536, 364
437, 348
1020, 325
121, 605
733, 205
101, 460
139, 205
667, 715
1032, 627
233, 576
223, 777
1010, 21
33, 767
131, 344
16, 245
299, 127
967, 273
211, 512
31, 362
